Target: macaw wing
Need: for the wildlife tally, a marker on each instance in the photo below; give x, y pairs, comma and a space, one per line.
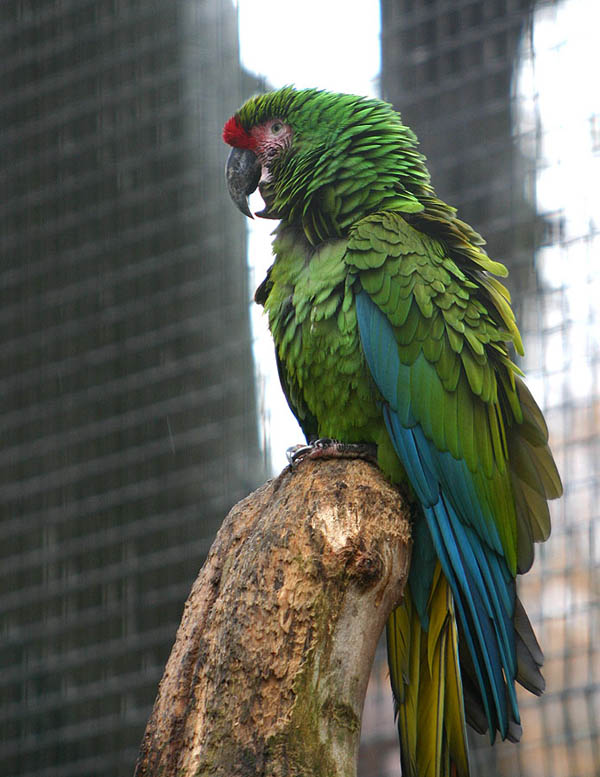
434, 335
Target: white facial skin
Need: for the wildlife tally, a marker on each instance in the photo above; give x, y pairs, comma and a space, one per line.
271, 138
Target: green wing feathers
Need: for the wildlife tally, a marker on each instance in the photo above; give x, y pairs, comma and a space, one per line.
452, 326
534, 476
436, 329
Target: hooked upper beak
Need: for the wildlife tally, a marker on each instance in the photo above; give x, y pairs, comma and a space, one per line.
243, 171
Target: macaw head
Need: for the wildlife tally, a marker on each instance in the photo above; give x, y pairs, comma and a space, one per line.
322, 159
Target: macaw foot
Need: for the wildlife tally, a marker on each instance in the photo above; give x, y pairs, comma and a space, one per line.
326, 448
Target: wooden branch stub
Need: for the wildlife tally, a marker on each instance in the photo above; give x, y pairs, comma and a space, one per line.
271, 661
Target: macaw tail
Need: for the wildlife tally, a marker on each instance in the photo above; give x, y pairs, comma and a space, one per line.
427, 686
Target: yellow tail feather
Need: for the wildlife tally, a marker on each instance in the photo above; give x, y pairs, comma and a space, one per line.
425, 675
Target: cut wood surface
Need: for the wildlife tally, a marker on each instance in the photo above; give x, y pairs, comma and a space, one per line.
271, 661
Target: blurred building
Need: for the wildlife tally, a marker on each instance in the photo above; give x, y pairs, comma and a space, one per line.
498, 95
126, 377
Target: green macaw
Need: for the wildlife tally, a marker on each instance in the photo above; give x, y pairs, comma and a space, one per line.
390, 329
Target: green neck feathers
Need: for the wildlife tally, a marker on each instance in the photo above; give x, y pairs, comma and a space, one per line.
350, 156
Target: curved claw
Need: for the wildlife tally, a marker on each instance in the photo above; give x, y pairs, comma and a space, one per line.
295, 453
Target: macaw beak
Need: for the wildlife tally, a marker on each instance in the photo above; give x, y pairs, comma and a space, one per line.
243, 171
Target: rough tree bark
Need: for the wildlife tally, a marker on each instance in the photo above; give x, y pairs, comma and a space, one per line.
271, 661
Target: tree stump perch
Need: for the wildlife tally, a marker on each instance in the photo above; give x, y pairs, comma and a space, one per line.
271, 661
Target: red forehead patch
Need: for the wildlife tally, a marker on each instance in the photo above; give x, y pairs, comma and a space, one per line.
235, 135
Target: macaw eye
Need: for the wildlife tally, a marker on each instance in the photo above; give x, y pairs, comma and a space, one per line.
276, 127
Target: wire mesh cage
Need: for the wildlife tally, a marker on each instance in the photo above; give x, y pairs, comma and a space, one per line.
129, 423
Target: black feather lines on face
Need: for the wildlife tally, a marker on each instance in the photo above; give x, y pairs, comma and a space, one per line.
279, 165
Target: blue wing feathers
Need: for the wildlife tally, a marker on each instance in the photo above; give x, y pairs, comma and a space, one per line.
453, 503
473, 576
422, 568
485, 571
416, 462
472, 614
380, 347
